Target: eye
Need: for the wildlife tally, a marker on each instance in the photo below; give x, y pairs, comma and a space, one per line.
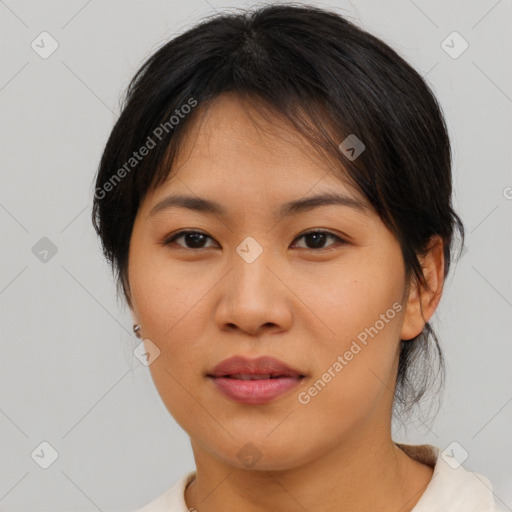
196, 239
317, 238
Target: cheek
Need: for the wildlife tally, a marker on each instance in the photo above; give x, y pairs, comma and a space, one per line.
363, 313
352, 296
164, 292
354, 371
173, 308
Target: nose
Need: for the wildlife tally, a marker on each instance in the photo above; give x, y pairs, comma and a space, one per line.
254, 298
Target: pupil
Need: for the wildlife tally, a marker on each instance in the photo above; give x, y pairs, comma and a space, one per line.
317, 237
196, 239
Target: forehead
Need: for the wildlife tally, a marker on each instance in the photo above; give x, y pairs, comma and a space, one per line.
234, 163
234, 141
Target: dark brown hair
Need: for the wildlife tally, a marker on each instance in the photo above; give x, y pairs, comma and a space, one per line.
330, 79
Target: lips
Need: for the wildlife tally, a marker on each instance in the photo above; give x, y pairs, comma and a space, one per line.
264, 367
254, 381
252, 376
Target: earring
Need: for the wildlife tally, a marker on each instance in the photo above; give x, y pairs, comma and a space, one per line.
136, 329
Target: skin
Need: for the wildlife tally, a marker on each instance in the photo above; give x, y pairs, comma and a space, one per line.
301, 303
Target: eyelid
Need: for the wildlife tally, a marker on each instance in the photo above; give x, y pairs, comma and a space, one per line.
173, 236
340, 239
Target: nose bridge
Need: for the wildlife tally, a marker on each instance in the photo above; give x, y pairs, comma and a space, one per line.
250, 265
252, 296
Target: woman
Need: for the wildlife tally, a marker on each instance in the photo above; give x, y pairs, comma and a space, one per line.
275, 199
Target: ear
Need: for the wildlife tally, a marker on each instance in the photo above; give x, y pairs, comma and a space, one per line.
134, 316
138, 332
423, 299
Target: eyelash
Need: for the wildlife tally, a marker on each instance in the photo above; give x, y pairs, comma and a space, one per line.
174, 237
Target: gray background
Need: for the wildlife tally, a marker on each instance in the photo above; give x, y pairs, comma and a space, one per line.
68, 374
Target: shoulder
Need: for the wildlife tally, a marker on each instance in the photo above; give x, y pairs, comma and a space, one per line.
452, 487
173, 499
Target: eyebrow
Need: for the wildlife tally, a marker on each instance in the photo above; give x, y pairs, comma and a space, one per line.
200, 204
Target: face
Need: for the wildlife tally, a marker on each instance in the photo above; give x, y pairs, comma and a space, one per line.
321, 288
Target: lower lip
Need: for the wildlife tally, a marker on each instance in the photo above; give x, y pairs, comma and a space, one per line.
255, 391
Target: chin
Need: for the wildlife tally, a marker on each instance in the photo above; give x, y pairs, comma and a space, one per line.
261, 456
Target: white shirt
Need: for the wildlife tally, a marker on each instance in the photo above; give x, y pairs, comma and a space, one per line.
449, 490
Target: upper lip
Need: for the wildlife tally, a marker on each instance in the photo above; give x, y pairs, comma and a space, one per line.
258, 366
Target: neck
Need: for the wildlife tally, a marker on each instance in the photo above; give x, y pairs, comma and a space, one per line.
375, 475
